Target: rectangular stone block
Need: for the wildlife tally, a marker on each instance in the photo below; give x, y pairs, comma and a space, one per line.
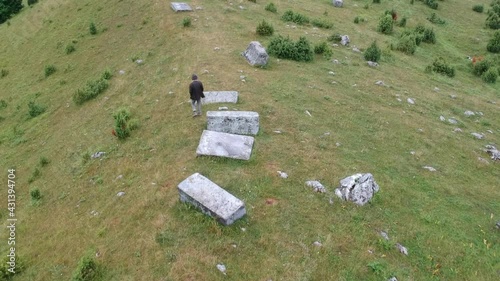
225, 145
211, 199
233, 122
220, 97
180, 7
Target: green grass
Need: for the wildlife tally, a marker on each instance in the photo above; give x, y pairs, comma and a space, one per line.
445, 219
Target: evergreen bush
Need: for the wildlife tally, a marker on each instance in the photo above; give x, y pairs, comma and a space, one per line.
385, 24
373, 53
264, 28
441, 66
271, 8
478, 8
285, 48
490, 76
494, 43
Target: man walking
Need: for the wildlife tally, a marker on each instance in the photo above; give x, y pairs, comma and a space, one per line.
196, 93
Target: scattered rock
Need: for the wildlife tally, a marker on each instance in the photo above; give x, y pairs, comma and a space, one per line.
221, 268
478, 136
216, 48
402, 249
308, 113
242, 77
469, 113
256, 54
338, 144
489, 131
170, 92
380, 83
335, 61
331, 72
356, 50
384, 235
344, 40
442, 118
98, 154
139, 61
317, 244
498, 225
431, 169
392, 279
242, 8
121, 72
277, 132
436, 89
372, 63
119, 177
410, 101
452, 121
318, 187
223, 108
283, 174
338, 3
94, 213
358, 188
493, 151
412, 152
457, 130
199, 8
335, 45
330, 201
453, 96
398, 99
120, 194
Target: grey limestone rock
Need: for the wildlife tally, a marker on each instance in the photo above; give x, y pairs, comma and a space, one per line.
469, 113
452, 121
358, 188
429, 168
317, 186
478, 136
283, 174
384, 235
233, 122
344, 40
98, 154
256, 54
211, 199
410, 101
220, 97
338, 3
402, 249
493, 151
372, 63
225, 145
392, 279
442, 118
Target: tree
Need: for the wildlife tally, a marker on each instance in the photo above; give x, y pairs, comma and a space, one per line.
8, 8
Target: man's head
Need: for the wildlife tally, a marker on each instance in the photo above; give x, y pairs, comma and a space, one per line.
194, 77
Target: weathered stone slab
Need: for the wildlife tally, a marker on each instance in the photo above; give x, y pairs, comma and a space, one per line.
358, 188
233, 122
180, 7
220, 97
256, 54
225, 145
211, 199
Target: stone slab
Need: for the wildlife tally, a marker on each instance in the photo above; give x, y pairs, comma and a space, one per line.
225, 145
180, 7
220, 97
256, 54
233, 122
211, 199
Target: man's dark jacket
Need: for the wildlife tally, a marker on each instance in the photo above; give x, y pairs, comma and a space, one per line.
196, 90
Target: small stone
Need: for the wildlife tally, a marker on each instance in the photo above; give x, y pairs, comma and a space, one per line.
98, 154
121, 72
442, 118
384, 235
452, 121
94, 213
277, 132
453, 96
330, 201
457, 130
410, 101
170, 92
335, 61
338, 144
223, 108
199, 8
421, 130
498, 225
216, 48
331, 72
308, 113
412, 152
380, 83
205, 71
372, 63
489, 131
120, 194
283, 174
318, 187
242, 8
242, 77
243, 229
431, 169
436, 89
398, 99
335, 45
356, 50
344, 40
478, 136
402, 249
469, 113
221, 268
119, 177
317, 244
393, 279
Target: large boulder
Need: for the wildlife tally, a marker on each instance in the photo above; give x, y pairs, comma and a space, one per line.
338, 3
344, 40
358, 188
255, 54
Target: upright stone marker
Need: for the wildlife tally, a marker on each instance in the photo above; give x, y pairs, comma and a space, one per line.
220, 97
211, 199
233, 122
225, 145
256, 54
180, 7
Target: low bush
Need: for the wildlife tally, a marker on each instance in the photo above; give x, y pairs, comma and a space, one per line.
431, 4
478, 8
186, 22
123, 123
402, 22
442, 67
376, 1
323, 49
32, 2
35, 195
35, 109
385, 24
3, 73
92, 29
407, 43
481, 67
264, 28
322, 23
92, 89
358, 19
297, 18
490, 76
86, 269
429, 36
435, 19
44, 161
373, 52
285, 48
49, 70
70, 48
271, 8
494, 43
493, 19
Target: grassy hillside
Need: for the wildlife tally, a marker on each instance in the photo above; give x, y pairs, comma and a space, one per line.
445, 218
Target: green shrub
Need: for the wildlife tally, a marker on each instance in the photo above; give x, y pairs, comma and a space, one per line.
264, 28
91, 90
49, 70
490, 76
402, 22
376, 1
481, 67
44, 161
435, 19
493, 19
271, 8
358, 19
441, 66
494, 43
407, 43
186, 22
385, 24
429, 36
3, 104
478, 8
432, 4
254, 1
92, 29
35, 194
70, 48
285, 48
35, 109
3, 73
295, 17
36, 174
334, 37
5, 274
106, 75
322, 23
323, 49
32, 2
122, 130
373, 52
86, 269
